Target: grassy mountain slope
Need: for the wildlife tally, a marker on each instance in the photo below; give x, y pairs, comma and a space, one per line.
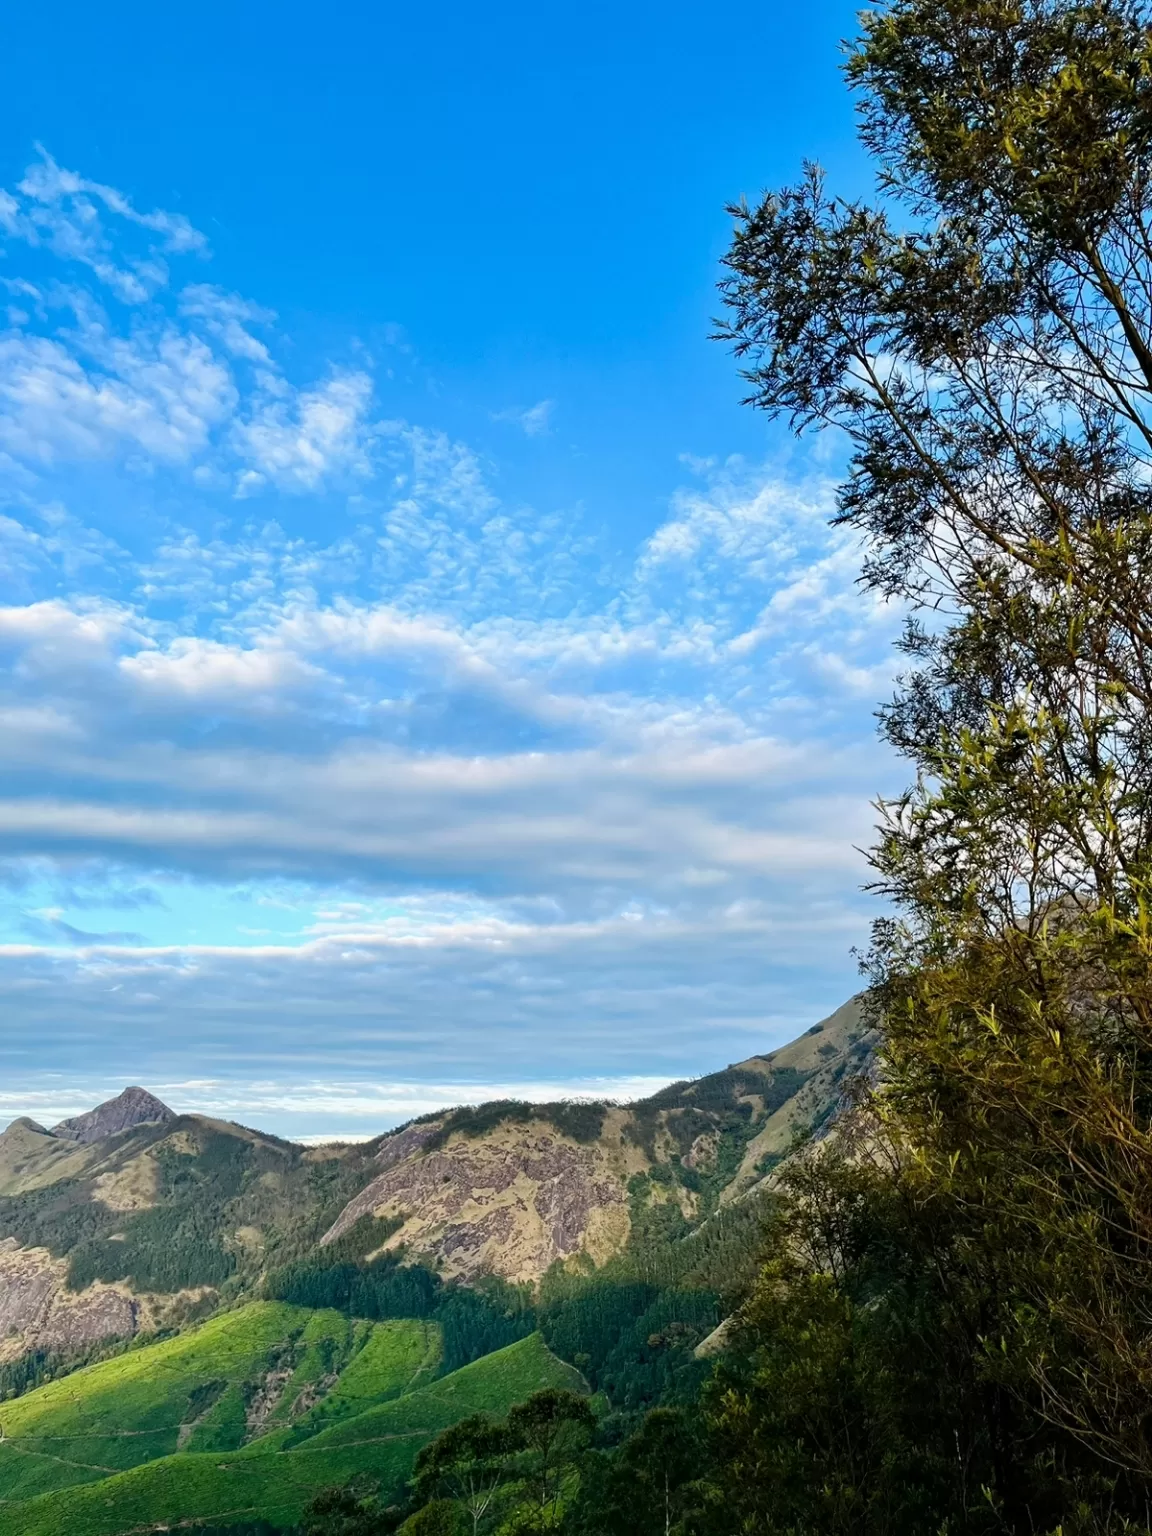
267, 1482
242, 1374
31, 1157
490, 1385
824, 1057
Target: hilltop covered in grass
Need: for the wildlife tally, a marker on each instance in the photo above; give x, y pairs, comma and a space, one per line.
275, 1477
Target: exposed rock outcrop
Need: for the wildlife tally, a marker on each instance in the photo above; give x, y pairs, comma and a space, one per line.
511, 1193
135, 1106
37, 1311
511, 1202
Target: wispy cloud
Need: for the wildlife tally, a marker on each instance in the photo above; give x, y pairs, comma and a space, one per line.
535, 421
66, 213
159, 394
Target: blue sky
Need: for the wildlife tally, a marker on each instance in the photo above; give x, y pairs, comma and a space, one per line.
419, 677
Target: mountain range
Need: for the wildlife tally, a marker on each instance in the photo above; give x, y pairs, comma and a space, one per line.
133, 1219
205, 1327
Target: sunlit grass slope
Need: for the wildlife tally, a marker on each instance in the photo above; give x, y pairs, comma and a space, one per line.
491, 1385
234, 1378
266, 1481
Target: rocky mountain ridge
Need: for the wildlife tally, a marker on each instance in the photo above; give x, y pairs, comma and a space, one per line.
133, 1218
135, 1106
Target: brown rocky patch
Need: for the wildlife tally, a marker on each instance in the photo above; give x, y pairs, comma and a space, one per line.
263, 1397
512, 1202
37, 1311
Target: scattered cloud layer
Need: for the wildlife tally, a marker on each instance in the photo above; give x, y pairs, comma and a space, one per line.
323, 763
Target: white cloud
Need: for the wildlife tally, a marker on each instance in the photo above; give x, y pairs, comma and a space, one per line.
202, 670
298, 444
374, 1011
162, 394
180, 380
65, 213
49, 183
53, 634
227, 316
741, 515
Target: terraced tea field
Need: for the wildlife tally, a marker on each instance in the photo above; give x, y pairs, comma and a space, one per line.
247, 1417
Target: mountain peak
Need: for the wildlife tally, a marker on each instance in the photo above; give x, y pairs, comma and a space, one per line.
25, 1123
135, 1106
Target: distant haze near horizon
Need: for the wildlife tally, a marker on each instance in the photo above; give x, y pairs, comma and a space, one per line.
420, 678
342, 1111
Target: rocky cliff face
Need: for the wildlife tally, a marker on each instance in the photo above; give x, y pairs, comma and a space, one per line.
38, 1311
510, 1202
133, 1107
512, 1193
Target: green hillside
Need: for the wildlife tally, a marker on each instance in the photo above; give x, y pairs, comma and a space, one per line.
143, 1404
263, 1367
491, 1385
267, 1481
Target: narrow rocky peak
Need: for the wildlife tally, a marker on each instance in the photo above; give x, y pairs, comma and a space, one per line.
135, 1106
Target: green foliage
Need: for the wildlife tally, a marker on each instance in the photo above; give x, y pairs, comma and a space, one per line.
439, 1517
726, 1108
342, 1512
581, 1120
552, 1429
632, 1340
469, 1464
383, 1288
243, 1528
984, 339
473, 1322
720, 1255
28, 1371
366, 1235
858, 1393
37, 1366
511, 1472
649, 1486
178, 1243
